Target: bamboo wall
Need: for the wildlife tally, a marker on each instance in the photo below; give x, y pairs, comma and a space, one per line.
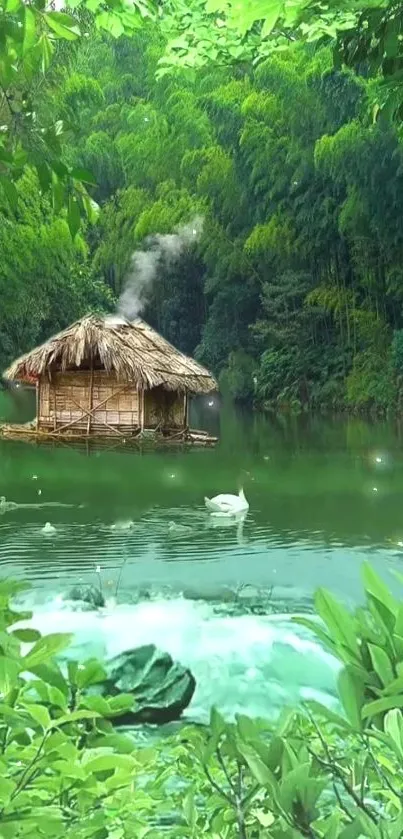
70, 402
163, 408
68, 399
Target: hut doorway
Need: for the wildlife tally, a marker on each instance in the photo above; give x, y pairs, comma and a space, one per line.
164, 409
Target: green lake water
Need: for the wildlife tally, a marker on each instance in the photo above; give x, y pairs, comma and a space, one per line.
325, 494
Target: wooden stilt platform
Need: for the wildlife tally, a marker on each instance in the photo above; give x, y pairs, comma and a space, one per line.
140, 438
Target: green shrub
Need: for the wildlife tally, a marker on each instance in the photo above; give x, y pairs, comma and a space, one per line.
314, 773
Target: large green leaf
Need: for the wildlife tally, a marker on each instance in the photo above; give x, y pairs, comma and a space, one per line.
9, 673
371, 709
63, 26
111, 22
10, 191
338, 621
75, 716
27, 636
375, 586
351, 691
84, 176
90, 673
273, 11
46, 648
40, 714
381, 664
29, 28
242, 15
318, 630
108, 762
73, 216
393, 726
259, 770
329, 715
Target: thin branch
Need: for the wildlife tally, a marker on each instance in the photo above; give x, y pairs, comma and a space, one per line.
224, 769
340, 801
340, 774
217, 787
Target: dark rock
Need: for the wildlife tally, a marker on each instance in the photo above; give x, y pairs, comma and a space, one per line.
161, 689
91, 595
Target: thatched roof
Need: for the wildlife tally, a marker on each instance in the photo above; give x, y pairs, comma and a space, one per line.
133, 351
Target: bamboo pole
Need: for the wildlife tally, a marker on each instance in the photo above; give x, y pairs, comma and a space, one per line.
37, 398
54, 405
185, 410
90, 397
142, 410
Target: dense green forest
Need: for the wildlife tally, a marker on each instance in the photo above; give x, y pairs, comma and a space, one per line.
293, 294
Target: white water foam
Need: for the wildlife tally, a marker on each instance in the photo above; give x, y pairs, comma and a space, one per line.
249, 664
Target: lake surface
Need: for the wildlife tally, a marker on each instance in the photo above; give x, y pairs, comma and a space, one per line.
325, 494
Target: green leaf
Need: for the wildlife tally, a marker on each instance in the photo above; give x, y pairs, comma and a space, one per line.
93, 5
10, 191
84, 176
351, 691
381, 664
39, 713
45, 49
44, 175
96, 703
338, 621
29, 29
214, 6
318, 630
393, 726
398, 629
59, 194
63, 26
105, 763
73, 216
51, 675
91, 208
375, 586
217, 723
189, 809
9, 672
91, 673
111, 22
27, 636
259, 770
45, 648
330, 716
121, 743
371, 709
273, 12
120, 704
75, 716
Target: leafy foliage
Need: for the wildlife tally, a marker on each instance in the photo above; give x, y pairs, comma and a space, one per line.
293, 294
314, 772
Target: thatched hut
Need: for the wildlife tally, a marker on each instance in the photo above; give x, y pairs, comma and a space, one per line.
107, 376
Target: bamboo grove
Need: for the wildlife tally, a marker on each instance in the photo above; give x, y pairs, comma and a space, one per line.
293, 295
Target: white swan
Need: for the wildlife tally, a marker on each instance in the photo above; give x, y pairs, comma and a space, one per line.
123, 525
49, 529
226, 504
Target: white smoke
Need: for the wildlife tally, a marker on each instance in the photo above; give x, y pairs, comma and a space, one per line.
162, 250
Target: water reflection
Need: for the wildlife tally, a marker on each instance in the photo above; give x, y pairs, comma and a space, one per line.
324, 493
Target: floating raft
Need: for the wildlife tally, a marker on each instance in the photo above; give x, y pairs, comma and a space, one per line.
28, 432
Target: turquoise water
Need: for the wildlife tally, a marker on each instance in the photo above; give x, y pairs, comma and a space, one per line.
325, 494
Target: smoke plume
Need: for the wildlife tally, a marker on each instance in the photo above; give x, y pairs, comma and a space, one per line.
161, 250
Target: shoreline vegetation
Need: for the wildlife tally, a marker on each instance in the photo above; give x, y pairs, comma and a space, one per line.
68, 771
